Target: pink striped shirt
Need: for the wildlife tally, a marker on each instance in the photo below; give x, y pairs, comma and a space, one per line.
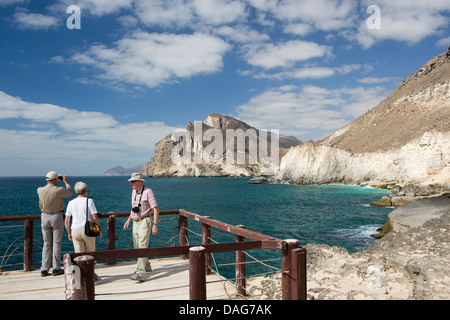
148, 202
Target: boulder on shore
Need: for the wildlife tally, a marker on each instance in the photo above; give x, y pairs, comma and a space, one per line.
383, 202
258, 180
400, 196
415, 214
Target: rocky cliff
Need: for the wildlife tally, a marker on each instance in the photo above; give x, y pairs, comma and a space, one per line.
201, 163
403, 140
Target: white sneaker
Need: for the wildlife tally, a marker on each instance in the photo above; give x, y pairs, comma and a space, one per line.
140, 277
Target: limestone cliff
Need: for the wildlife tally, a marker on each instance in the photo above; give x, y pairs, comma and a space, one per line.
163, 164
404, 140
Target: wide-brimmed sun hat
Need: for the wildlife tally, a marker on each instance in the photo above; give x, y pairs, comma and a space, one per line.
136, 177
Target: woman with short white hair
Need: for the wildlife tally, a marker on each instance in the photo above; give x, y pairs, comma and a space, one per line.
77, 210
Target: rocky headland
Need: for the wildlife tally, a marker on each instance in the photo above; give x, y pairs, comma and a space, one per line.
162, 163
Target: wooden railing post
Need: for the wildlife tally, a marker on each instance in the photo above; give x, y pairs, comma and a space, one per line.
286, 268
197, 276
87, 282
28, 246
71, 279
298, 274
183, 233
240, 268
206, 239
111, 240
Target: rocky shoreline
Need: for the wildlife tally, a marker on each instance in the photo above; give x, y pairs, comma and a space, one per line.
409, 263
400, 196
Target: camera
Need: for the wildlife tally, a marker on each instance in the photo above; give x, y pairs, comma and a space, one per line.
136, 209
60, 177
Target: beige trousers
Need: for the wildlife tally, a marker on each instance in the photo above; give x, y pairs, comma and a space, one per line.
81, 242
141, 237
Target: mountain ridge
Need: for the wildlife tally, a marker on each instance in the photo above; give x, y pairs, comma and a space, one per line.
421, 103
162, 164
121, 171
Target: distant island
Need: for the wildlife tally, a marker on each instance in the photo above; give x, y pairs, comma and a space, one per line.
121, 171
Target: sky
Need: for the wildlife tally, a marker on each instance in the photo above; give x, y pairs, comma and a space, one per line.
86, 85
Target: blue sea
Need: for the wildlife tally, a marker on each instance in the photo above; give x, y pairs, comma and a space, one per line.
338, 215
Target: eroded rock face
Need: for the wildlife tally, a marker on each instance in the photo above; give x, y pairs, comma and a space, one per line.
413, 214
162, 163
405, 139
411, 164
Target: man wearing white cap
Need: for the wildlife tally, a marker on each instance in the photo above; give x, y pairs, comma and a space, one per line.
51, 203
144, 210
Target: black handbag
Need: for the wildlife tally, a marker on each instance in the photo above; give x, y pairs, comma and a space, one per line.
91, 229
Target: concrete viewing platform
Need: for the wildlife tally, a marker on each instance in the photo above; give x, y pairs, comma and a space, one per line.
169, 281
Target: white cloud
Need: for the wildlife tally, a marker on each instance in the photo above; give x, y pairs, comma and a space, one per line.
300, 73
83, 142
371, 80
403, 20
216, 12
96, 7
128, 21
56, 59
152, 59
409, 21
241, 34
307, 72
169, 13
285, 54
24, 19
310, 111
444, 42
189, 13
264, 5
301, 29
4, 3
311, 73
325, 15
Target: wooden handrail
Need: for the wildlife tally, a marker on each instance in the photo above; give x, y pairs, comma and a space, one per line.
100, 215
168, 251
28, 231
293, 263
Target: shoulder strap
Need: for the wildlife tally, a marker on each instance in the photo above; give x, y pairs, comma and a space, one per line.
87, 208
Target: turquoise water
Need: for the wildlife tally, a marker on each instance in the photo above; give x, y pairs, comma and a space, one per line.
328, 214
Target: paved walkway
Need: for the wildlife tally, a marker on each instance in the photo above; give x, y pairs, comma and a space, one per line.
169, 281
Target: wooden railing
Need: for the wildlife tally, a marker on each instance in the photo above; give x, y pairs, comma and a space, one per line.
29, 224
80, 285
